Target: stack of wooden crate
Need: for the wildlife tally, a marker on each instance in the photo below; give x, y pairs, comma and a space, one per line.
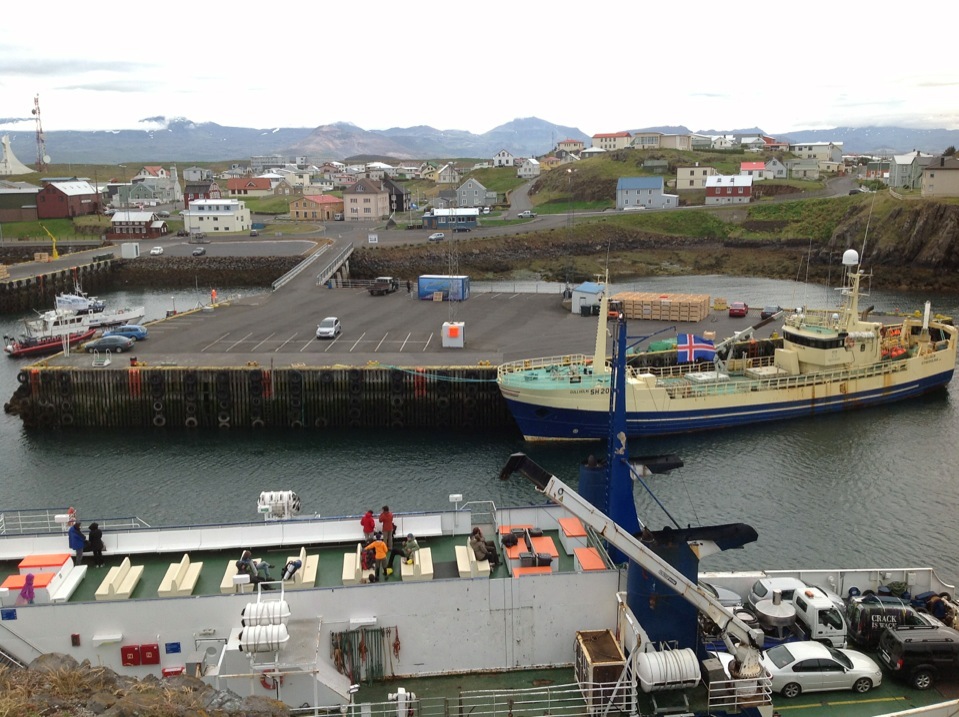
663, 307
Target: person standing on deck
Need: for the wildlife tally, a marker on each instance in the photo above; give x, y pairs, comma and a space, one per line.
78, 541
380, 552
387, 526
368, 523
96, 544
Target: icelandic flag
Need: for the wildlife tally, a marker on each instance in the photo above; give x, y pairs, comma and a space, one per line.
691, 348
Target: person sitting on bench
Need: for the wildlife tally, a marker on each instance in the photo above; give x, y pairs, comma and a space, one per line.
289, 570
483, 549
259, 571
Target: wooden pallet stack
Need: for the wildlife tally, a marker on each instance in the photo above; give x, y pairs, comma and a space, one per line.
663, 307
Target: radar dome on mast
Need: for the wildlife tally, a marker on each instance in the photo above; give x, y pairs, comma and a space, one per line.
850, 257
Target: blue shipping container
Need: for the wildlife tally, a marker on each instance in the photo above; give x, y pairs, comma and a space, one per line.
453, 288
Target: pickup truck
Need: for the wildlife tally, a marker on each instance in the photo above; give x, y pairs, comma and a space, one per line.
526, 215
384, 285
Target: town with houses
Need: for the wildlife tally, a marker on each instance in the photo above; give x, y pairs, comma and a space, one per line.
337, 191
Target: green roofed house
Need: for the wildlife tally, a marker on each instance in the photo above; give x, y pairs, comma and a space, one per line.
643, 192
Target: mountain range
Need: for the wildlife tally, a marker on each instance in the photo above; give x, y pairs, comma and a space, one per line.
180, 140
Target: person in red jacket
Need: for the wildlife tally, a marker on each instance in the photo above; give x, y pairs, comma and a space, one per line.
387, 526
369, 525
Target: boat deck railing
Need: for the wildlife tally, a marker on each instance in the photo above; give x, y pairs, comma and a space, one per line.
541, 363
744, 385
568, 700
55, 520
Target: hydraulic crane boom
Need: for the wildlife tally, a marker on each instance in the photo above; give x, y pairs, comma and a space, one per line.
750, 640
53, 252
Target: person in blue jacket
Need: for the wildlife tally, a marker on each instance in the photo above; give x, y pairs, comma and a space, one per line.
78, 541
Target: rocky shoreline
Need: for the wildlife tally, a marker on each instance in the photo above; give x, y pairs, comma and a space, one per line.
56, 684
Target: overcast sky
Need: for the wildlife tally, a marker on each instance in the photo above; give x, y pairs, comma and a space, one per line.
596, 66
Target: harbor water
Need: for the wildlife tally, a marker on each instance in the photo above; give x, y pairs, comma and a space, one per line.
874, 488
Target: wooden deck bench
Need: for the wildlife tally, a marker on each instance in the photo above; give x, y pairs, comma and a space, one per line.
467, 564
422, 567
228, 586
587, 559
572, 534
120, 582
180, 578
353, 573
305, 577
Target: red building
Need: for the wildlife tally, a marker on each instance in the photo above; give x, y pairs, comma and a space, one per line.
200, 189
67, 198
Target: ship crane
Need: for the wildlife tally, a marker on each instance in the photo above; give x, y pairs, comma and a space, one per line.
742, 641
724, 346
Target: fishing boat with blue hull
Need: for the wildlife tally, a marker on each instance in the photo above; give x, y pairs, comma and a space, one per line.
829, 360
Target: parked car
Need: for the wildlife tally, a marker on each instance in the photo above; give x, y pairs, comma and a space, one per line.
182, 233
156, 251
328, 328
738, 308
199, 251
163, 214
109, 343
131, 331
254, 233
485, 210
633, 208
920, 654
436, 236
456, 230
809, 666
727, 597
769, 311
526, 215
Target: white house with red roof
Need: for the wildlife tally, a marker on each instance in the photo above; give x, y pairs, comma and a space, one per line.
756, 170
155, 171
612, 140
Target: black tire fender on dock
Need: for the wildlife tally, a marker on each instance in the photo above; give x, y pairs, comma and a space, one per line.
321, 422
190, 422
224, 417
257, 423
66, 419
326, 377
159, 421
158, 406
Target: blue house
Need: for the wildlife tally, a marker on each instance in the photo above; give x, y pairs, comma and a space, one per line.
643, 193
585, 297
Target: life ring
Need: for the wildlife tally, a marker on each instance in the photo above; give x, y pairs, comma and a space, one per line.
850, 342
271, 682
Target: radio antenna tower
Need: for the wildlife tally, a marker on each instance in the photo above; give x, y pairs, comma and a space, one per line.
42, 157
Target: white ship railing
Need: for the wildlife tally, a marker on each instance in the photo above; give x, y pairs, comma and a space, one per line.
554, 700
45, 520
541, 363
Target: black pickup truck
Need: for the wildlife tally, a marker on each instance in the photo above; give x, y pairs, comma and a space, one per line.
384, 285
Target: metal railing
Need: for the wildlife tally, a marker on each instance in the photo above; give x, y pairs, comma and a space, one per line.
327, 271
297, 269
44, 520
555, 700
